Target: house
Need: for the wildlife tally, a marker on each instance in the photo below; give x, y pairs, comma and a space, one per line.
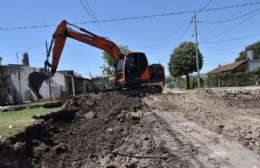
100, 84
239, 66
247, 65
62, 84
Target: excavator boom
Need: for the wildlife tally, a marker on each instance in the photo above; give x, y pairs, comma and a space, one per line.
36, 79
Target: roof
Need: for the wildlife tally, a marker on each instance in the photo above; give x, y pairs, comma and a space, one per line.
228, 67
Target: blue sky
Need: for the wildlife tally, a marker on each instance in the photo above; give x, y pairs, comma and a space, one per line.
220, 43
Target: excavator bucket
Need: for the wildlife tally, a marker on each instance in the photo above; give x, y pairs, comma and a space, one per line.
35, 81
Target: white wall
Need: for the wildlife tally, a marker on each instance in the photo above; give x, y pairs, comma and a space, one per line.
16, 87
19, 89
57, 82
253, 64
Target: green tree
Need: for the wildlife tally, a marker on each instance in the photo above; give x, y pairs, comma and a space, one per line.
108, 65
255, 46
183, 61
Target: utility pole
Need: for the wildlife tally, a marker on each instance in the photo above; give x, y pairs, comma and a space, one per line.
196, 48
19, 80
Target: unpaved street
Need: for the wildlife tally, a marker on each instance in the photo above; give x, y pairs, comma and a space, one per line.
234, 114
201, 128
204, 127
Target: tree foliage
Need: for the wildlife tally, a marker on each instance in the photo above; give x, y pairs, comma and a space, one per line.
108, 65
183, 61
255, 46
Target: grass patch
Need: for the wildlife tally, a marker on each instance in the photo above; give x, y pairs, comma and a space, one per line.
18, 120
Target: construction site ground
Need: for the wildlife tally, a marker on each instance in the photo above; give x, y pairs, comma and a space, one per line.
209, 128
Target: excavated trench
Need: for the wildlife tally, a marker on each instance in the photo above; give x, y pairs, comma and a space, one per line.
111, 130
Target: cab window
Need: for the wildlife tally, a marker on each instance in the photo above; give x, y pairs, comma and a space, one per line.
119, 69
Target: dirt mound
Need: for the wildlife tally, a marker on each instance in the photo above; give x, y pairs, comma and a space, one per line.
241, 99
103, 130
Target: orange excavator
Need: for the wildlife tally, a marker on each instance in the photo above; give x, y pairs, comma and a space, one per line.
133, 75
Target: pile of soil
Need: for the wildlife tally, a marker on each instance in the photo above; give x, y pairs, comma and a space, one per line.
97, 130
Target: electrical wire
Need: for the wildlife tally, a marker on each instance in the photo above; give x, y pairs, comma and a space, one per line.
92, 16
228, 40
231, 19
217, 27
189, 24
135, 17
230, 7
238, 24
185, 30
30, 48
26, 27
205, 6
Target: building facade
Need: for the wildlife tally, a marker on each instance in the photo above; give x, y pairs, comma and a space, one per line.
61, 85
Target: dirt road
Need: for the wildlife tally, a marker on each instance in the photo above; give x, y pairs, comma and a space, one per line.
201, 146
202, 128
220, 129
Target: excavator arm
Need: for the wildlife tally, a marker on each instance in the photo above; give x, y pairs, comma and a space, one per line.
36, 79
62, 32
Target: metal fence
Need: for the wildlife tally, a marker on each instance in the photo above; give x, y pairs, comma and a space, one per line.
233, 79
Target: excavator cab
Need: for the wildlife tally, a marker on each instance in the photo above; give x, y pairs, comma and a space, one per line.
136, 67
132, 69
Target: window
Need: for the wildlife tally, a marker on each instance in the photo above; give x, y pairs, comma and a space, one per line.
119, 68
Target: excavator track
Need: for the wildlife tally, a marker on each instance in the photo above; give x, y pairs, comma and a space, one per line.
140, 91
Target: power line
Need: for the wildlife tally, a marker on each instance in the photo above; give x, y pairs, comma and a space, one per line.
228, 40
232, 19
204, 7
175, 13
92, 16
192, 20
179, 13
26, 27
238, 24
234, 14
185, 30
230, 7
183, 33
30, 48
136, 17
